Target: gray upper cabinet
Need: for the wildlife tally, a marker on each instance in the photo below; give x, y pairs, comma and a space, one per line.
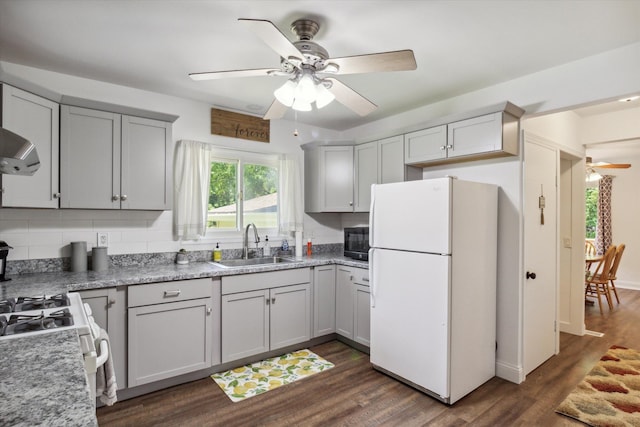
380, 162
491, 132
114, 161
425, 145
366, 173
328, 179
36, 119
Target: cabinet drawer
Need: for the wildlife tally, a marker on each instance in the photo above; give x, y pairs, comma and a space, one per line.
179, 290
269, 279
361, 276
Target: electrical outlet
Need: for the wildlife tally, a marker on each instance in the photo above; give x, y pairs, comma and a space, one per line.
103, 239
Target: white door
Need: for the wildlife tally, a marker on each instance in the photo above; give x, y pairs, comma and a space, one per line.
412, 216
410, 317
540, 249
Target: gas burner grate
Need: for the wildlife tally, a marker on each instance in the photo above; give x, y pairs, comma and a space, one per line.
21, 323
8, 305
38, 303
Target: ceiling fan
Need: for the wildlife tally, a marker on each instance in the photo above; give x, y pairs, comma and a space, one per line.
593, 175
309, 68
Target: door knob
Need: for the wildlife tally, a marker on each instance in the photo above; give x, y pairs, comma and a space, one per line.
531, 275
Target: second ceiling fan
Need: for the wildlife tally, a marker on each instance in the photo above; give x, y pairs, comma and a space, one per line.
309, 68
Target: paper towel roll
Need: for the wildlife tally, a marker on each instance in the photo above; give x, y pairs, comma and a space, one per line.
298, 243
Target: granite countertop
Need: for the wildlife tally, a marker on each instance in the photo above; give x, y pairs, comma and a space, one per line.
42, 382
42, 379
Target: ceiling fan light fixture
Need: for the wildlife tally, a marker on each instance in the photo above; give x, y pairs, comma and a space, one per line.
301, 105
324, 96
306, 91
285, 94
593, 176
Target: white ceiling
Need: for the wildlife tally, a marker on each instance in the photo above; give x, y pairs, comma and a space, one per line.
459, 46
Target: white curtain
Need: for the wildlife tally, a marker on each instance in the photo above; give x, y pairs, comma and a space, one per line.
290, 195
191, 175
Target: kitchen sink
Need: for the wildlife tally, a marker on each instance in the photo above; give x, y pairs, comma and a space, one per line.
227, 263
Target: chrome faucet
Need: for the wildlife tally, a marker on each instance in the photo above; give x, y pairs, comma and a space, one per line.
245, 244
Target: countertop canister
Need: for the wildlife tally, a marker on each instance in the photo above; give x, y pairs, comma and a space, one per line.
99, 258
78, 256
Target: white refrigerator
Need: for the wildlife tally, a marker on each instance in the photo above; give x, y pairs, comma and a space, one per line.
432, 267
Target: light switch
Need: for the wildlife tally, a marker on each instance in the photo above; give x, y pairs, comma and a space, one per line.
566, 242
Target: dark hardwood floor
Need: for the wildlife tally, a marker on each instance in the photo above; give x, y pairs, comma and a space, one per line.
353, 394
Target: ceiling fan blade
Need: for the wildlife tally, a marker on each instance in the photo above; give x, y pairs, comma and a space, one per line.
603, 165
273, 37
212, 75
350, 98
276, 111
400, 60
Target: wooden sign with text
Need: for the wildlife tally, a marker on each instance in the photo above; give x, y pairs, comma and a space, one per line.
238, 125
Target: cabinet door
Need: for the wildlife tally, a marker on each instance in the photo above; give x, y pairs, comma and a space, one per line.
336, 167
391, 166
36, 119
344, 301
89, 159
425, 145
361, 320
366, 173
324, 300
109, 309
245, 324
290, 315
146, 164
475, 136
166, 340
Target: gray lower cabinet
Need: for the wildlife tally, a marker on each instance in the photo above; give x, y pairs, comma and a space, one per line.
324, 300
259, 316
344, 301
353, 304
36, 119
171, 329
109, 310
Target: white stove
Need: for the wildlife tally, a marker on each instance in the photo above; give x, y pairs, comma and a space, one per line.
27, 316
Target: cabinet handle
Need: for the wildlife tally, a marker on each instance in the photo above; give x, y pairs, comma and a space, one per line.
111, 302
365, 279
449, 147
443, 147
273, 300
56, 195
123, 197
115, 197
350, 203
209, 311
268, 301
172, 293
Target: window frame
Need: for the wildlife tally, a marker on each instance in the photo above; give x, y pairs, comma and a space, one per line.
242, 158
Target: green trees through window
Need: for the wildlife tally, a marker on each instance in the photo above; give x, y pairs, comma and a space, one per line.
257, 202
591, 216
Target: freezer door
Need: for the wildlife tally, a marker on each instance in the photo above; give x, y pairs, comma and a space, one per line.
411, 216
410, 317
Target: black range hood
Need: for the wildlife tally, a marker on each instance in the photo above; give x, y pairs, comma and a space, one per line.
18, 156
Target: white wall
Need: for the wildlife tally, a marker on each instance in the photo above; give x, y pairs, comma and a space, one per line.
37, 233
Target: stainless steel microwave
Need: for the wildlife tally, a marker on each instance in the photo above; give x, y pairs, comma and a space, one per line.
356, 243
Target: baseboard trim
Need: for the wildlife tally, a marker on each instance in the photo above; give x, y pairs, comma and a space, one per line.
628, 285
509, 372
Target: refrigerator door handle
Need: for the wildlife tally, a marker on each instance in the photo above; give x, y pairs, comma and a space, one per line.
371, 214
372, 282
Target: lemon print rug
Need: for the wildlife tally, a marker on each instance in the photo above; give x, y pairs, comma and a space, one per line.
257, 378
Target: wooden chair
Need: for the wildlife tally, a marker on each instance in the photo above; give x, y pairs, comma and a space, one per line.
589, 248
614, 271
597, 282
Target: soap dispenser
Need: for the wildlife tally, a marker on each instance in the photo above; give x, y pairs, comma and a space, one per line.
267, 246
217, 253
